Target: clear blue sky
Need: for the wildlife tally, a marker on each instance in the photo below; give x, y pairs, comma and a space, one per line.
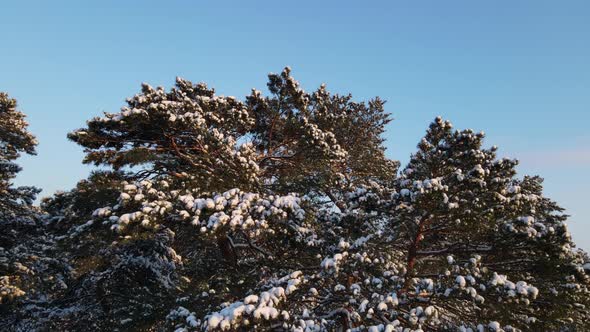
519, 70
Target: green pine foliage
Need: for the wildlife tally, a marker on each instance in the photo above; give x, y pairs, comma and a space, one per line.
281, 212
14, 140
30, 267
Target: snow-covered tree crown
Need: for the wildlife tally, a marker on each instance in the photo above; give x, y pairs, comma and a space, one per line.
289, 141
14, 137
282, 213
14, 140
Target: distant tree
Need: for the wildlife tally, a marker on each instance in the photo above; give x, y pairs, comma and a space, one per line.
14, 140
29, 269
15, 202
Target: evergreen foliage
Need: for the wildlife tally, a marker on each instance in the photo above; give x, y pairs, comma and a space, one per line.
28, 271
14, 140
282, 213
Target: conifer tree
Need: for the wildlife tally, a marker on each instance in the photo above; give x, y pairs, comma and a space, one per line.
292, 141
15, 202
30, 270
211, 178
282, 213
14, 140
465, 216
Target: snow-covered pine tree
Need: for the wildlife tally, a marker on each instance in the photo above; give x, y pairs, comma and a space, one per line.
14, 140
29, 270
470, 227
282, 213
15, 202
291, 141
209, 179
319, 143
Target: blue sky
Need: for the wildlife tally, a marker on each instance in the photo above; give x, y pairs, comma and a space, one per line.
519, 70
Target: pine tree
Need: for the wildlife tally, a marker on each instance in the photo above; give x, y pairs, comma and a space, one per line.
319, 142
30, 270
282, 213
14, 140
210, 178
464, 215
292, 141
15, 202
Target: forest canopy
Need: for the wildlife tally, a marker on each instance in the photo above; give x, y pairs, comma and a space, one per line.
280, 211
